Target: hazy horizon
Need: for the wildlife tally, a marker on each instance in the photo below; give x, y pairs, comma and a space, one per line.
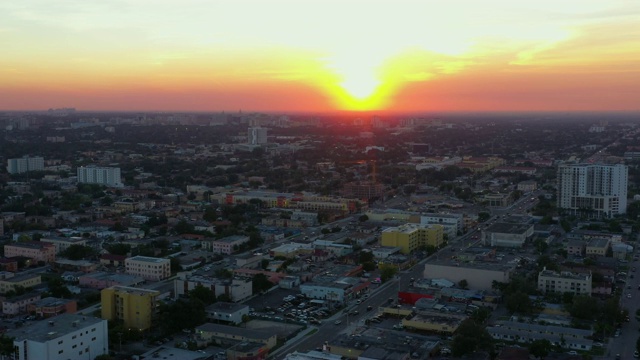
321, 56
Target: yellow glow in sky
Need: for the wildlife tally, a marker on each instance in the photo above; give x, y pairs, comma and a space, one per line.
316, 55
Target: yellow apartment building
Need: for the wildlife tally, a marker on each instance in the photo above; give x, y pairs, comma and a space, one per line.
9, 282
410, 237
134, 306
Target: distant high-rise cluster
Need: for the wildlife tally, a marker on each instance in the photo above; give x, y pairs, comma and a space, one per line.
257, 136
25, 164
109, 176
591, 190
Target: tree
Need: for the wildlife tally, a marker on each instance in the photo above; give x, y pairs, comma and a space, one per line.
363, 218
119, 249
387, 272
203, 294
78, 252
463, 284
540, 348
471, 337
6, 345
175, 264
182, 314
260, 283
518, 302
584, 307
483, 216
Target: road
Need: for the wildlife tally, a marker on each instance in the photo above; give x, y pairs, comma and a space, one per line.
378, 297
625, 343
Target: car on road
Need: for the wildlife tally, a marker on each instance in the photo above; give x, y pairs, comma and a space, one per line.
337, 322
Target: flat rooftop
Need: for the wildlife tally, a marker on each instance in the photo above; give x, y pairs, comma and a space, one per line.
508, 228
53, 328
147, 259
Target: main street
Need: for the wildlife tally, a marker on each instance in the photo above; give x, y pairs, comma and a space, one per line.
377, 297
625, 344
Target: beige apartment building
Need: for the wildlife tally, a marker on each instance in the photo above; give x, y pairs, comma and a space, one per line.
148, 268
552, 281
63, 243
36, 250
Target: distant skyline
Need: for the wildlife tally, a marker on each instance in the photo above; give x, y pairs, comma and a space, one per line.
315, 56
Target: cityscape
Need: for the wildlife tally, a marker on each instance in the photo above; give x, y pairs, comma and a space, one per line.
319, 180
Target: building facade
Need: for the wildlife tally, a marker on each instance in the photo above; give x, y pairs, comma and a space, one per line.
35, 250
235, 289
9, 283
25, 164
410, 237
148, 268
591, 190
62, 243
257, 136
67, 336
561, 282
109, 176
134, 306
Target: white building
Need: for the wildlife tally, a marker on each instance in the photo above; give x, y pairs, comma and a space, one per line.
109, 176
551, 281
148, 268
593, 190
227, 312
25, 164
236, 289
506, 234
257, 136
66, 336
452, 223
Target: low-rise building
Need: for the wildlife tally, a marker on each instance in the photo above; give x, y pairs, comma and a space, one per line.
134, 306
63, 243
25, 281
67, 336
35, 250
226, 312
523, 332
452, 223
225, 334
507, 234
565, 281
149, 268
431, 321
227, 245
410, 237
102, 280
51, 306
236, 289
18, 305
597, 246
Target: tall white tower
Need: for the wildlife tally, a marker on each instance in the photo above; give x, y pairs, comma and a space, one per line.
257, 136
593, 190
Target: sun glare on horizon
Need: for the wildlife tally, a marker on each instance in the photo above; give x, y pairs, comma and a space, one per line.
357, 55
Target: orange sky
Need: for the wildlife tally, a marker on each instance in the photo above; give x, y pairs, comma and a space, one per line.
307, 55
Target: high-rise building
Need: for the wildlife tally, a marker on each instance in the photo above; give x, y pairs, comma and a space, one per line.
24, 164
109, 176
593, 190
257, 136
